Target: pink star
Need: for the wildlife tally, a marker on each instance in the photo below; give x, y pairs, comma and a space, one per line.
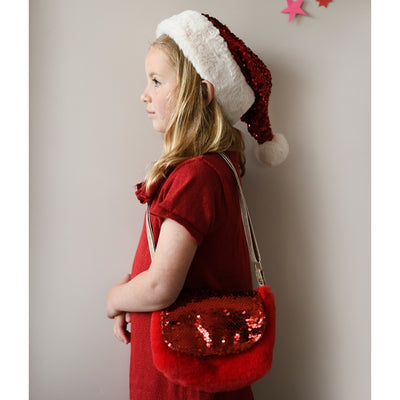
294, 8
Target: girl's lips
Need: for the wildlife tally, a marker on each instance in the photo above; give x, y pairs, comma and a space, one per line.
150, 113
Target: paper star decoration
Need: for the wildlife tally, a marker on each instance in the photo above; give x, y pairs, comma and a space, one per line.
293, 8
324, 3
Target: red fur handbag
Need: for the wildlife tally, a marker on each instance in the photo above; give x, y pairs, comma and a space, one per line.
214, 341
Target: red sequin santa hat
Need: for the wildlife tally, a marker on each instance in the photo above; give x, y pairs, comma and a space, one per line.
242, 82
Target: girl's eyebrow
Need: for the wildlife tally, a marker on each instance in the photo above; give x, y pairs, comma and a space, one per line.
151, 74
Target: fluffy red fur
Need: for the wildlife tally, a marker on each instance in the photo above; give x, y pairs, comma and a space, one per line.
217, 373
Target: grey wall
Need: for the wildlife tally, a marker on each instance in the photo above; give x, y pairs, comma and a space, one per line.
90, 142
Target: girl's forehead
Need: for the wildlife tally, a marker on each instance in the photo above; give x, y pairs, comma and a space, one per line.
158, 65
156, 56
157, 53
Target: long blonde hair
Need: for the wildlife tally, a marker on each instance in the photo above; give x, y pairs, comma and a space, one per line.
194, 129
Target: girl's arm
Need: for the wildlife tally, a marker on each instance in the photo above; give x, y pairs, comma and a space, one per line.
160, 285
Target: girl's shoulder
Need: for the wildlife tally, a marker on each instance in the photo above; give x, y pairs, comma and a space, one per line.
205, 172
203, 176
206, 165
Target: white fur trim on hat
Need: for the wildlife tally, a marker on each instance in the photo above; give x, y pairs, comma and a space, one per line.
203, 45
273, 152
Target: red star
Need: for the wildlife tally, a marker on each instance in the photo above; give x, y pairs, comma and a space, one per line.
293, 8
324, 3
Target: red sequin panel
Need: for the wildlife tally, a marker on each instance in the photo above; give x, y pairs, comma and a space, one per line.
214, 325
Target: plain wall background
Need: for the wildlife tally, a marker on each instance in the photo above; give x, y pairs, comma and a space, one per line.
90, 142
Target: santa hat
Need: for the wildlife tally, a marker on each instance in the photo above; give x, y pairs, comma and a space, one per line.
242, 82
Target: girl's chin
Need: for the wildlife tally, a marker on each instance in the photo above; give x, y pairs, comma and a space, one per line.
158, 128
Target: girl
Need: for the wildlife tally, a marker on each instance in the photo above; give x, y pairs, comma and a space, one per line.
200, 80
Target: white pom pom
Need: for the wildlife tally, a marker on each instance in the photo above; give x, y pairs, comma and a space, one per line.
273, 152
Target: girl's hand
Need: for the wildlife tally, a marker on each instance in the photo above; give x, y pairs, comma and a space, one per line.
121, 332
111, 310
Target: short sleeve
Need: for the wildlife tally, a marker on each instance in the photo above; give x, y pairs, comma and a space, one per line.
190, 196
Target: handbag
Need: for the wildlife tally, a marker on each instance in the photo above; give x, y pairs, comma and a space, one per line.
216, 341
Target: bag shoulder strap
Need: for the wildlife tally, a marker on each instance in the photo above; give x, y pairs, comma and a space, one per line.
254, 253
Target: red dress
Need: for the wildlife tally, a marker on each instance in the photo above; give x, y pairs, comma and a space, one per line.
200, 194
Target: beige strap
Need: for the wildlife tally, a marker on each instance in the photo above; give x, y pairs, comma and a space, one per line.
254, 253
149, 229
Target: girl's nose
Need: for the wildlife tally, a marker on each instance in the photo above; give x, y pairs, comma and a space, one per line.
144, 97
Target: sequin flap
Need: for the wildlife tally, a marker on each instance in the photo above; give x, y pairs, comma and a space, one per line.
208, 325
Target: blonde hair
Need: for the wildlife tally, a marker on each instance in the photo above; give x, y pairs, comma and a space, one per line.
194, 129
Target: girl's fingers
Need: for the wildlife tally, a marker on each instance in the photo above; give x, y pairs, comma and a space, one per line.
120, 331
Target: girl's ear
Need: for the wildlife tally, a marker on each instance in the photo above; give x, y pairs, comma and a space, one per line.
208, 92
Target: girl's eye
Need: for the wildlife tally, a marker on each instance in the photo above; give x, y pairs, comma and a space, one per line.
156, 82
